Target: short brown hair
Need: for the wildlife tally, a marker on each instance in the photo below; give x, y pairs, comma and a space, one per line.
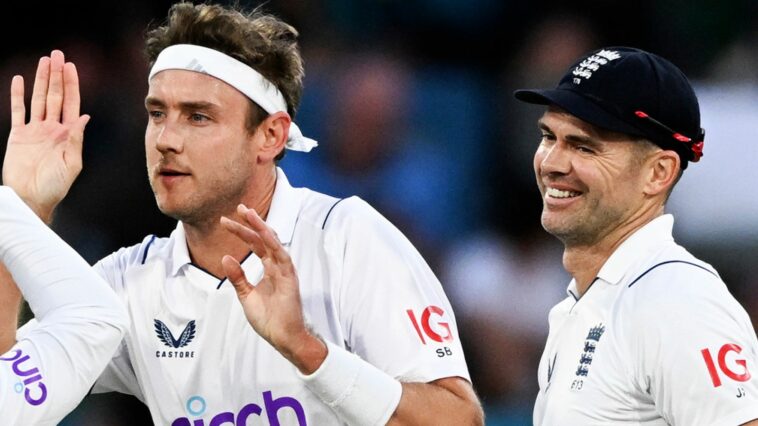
262, 41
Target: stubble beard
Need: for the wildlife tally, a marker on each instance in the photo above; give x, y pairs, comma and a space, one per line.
203, 208
584, 228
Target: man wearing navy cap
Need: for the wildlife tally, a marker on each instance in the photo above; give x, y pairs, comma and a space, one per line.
649, 334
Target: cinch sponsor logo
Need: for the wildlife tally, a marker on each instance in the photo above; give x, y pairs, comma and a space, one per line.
35, 392
165, 336
196, 407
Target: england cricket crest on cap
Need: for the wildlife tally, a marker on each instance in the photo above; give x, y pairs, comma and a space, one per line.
585, 359
592, 63
175, 344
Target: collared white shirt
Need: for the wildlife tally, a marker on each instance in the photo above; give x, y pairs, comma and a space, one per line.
191, 355
656, 339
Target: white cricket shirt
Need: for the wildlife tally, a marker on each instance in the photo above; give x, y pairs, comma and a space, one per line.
191, 355
656, 340
48, 371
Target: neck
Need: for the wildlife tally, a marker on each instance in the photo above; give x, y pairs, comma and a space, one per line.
584, 261
208, 241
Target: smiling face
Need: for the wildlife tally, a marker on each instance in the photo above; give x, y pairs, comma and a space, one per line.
200, 157
592, 181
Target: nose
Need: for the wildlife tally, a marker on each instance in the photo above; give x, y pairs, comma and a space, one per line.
553, 159
168, 138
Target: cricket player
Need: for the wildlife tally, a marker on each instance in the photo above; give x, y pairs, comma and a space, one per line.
649, 334
344, 322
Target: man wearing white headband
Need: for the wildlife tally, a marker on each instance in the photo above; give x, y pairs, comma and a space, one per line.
341, 321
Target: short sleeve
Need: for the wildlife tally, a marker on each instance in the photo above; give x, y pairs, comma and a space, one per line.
698, 354
392, 307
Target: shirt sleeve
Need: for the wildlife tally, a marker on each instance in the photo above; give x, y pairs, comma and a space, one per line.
697, 349
80, 320
392, 307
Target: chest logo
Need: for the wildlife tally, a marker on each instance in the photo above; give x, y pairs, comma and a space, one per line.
590, 343
592, 64
165, 336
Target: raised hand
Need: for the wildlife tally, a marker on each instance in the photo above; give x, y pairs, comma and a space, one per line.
273, 306
44, 156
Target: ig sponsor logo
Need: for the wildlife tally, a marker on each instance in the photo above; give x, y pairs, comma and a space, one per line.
196, 407
430, 321
35, 392
737, 371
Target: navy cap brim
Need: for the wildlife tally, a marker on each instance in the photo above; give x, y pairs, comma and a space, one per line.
579, 106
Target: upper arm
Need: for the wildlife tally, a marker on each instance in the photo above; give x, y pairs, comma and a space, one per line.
390, 298
698, 353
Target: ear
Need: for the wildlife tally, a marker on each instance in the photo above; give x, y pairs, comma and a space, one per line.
275, 130
663, 167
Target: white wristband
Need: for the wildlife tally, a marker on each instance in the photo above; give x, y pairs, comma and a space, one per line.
358, 392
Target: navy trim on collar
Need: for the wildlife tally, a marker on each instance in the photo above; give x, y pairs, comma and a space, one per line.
147, 248
330, 212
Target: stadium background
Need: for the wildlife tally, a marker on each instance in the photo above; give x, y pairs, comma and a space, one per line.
411, 101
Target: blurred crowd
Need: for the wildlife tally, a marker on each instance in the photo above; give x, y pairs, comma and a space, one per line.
411, 103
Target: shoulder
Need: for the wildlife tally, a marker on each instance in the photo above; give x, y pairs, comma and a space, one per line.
353, 212
672, 273
316, 208
340, 217
676, 288
148, 250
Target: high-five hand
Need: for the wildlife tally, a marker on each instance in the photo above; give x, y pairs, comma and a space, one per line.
44, 156
273, 306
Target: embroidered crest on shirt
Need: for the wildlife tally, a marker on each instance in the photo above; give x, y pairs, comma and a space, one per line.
168, 339
587, 67
585, 360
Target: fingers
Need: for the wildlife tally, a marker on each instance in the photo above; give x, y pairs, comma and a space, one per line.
267, 235
236, 276
71, 99
250, 237
78, 129
73, 153
18, 109
55, 89
55, 95
39, 93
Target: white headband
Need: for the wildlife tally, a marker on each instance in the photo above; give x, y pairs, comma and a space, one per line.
235, 73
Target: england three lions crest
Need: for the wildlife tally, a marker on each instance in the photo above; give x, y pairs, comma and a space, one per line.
585, 359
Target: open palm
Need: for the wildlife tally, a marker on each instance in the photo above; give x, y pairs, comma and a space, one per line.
44, 156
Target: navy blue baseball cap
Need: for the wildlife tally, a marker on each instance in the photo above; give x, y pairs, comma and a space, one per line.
630, 91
